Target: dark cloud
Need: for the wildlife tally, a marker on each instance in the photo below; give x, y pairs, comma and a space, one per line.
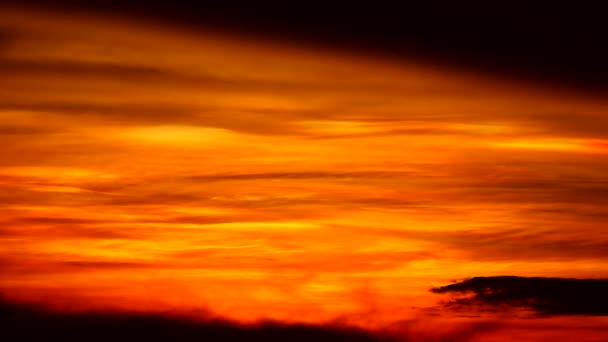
80, 264
571, 124
544, 296
52, 220
40, 265
535, 179
139, 113
561, 46
56, 229
299, 175
28, 323
209, 219
150, 113
142, 73
523, 242
21, 130
528, 244
7, 37
156, 198
554, 191
24, 67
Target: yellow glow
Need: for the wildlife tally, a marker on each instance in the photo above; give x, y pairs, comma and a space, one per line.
178, 135
55, 173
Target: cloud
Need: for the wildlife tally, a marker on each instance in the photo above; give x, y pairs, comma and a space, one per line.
30, 323
6, 37
544, 296
24, 67
300, 175
17, 130
519, 242
81, 99
527, 244
40, 266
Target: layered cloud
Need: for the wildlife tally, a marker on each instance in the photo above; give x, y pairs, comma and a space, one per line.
264, 180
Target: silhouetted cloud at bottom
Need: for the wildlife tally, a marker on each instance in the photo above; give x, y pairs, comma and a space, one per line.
30, 323
545, 296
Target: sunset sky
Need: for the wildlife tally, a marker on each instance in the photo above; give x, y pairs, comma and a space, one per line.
152, 168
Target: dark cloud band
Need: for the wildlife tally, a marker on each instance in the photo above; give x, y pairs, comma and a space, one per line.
546, 296
30, 323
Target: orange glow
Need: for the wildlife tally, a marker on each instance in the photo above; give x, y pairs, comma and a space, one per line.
151, 169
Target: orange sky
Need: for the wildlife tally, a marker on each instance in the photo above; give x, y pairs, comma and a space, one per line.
146, 168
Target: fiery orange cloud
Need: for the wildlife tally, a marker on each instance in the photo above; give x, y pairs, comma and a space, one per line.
146, 168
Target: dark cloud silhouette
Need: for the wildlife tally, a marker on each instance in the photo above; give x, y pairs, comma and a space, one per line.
29, 323
299, 175
545, 296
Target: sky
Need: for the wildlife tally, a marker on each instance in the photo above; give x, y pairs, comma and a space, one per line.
152, 168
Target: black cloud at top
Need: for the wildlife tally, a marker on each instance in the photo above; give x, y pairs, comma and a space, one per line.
554, 44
